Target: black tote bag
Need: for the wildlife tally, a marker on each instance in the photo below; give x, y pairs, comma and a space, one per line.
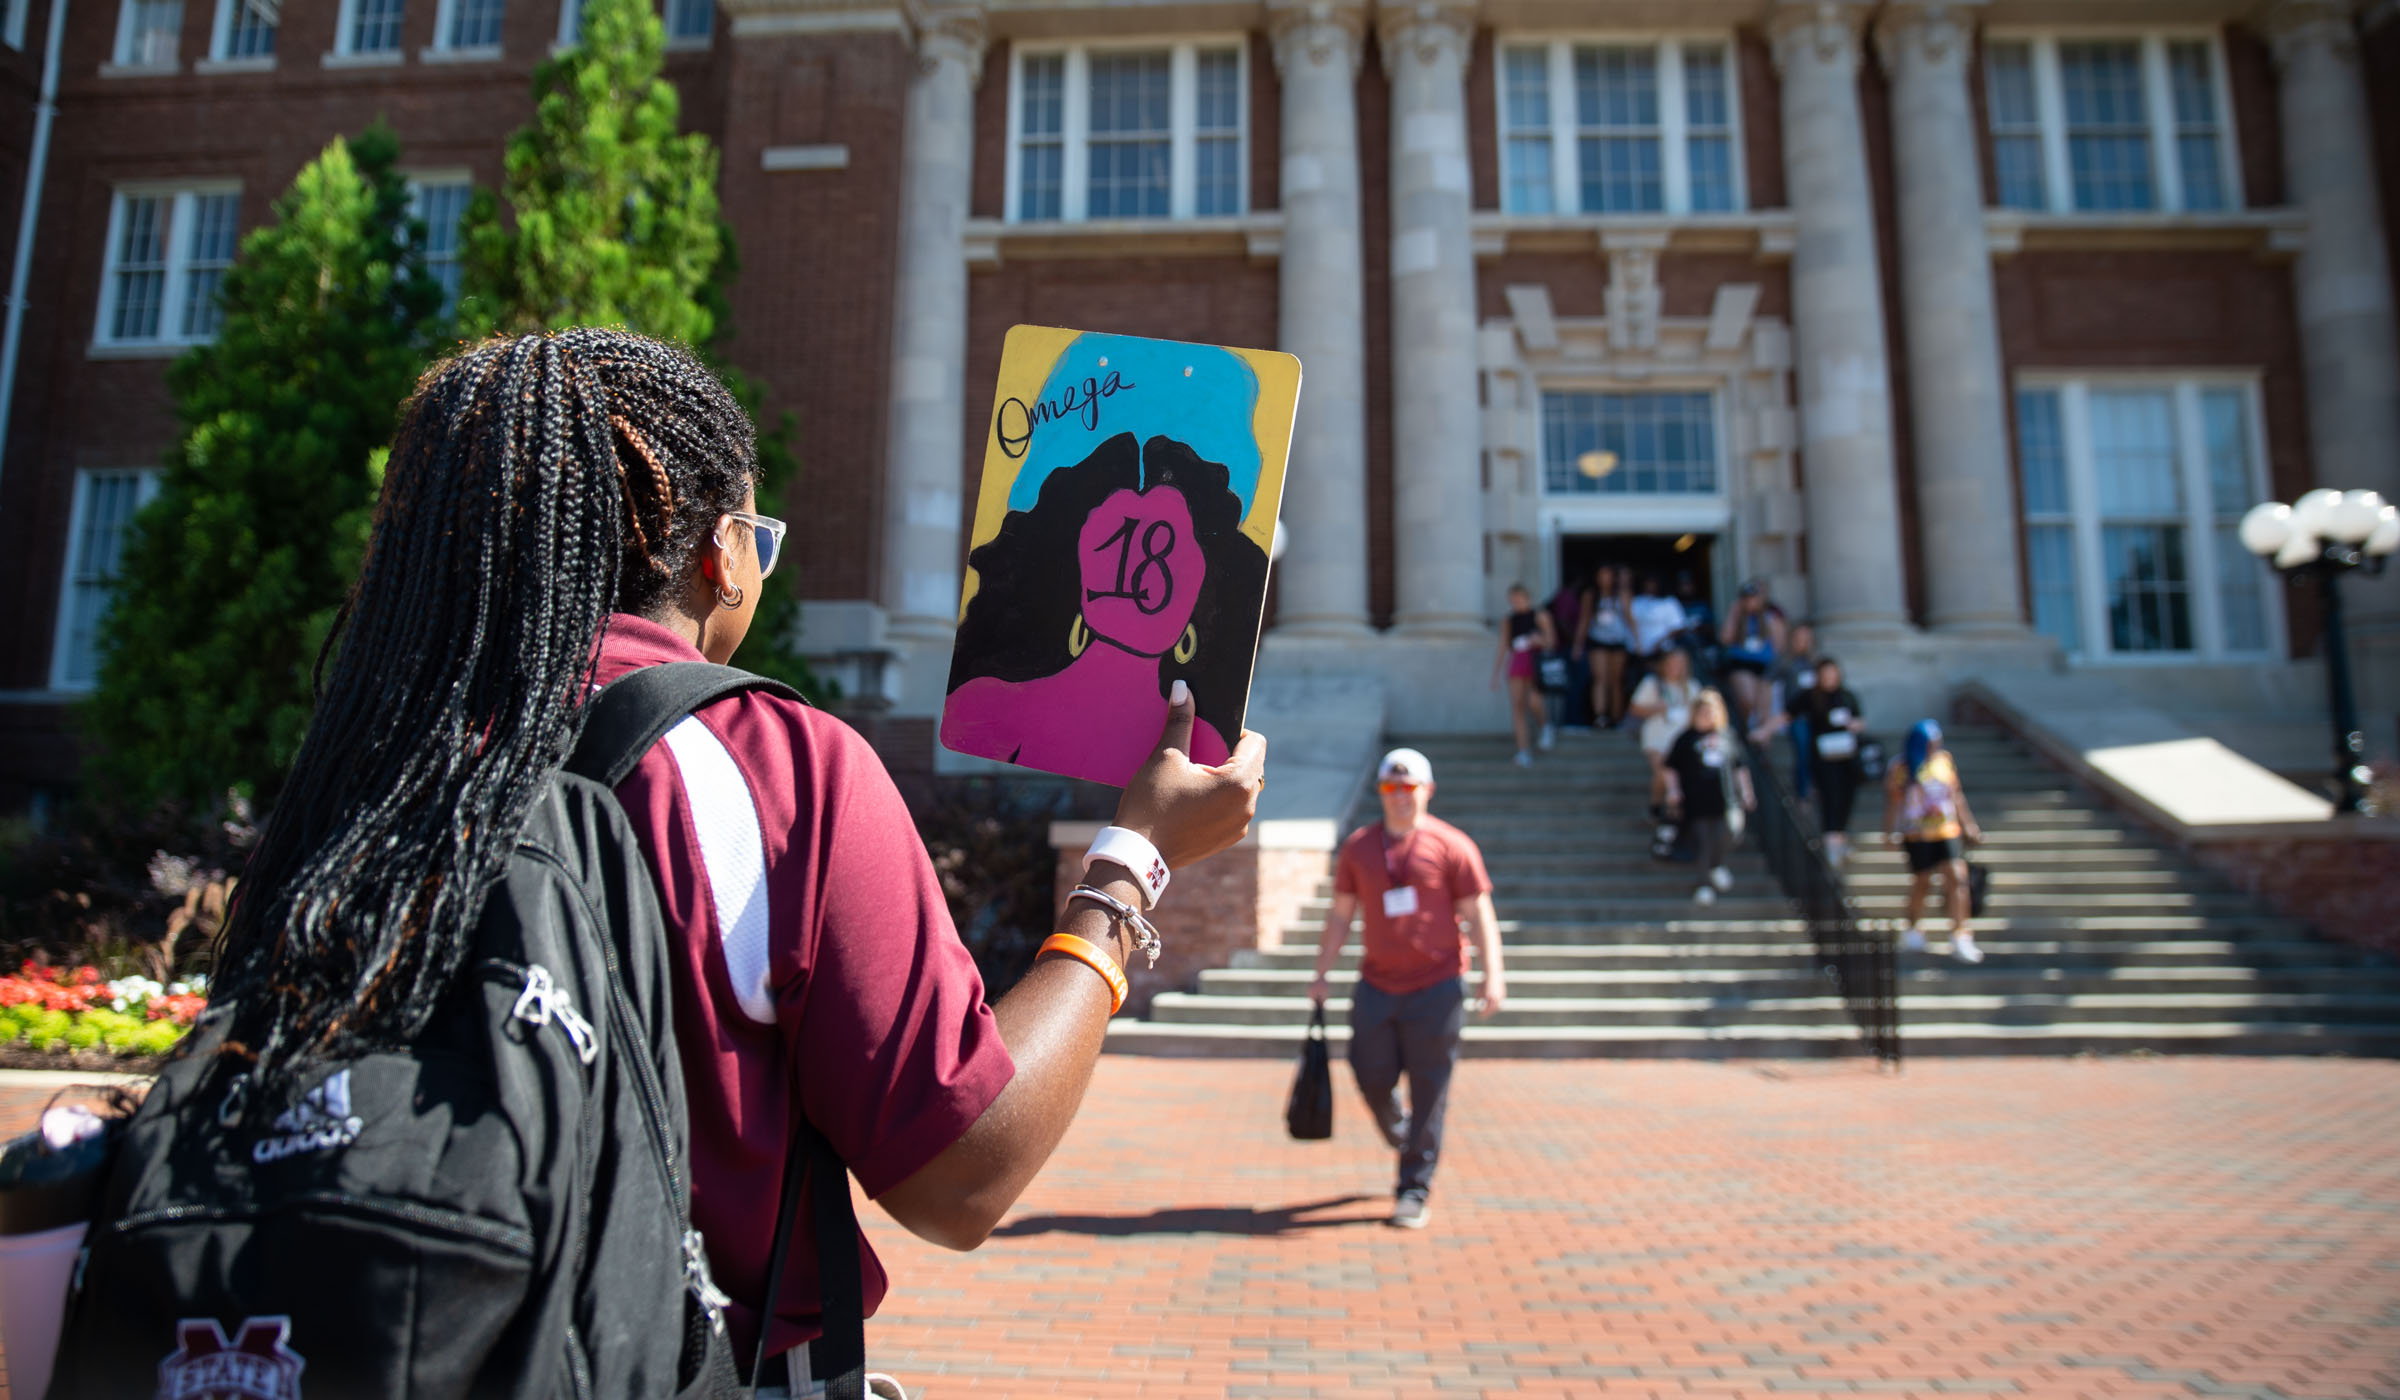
1310, 1113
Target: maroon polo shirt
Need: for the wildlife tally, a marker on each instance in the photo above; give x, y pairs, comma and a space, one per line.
814, 964
1410, 952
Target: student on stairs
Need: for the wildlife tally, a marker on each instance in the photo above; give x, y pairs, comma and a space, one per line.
1925, 811
1705, 777
1527, 637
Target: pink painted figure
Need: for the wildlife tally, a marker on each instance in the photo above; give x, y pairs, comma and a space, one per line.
1142, 569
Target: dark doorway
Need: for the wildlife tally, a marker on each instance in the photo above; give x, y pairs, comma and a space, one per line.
1664, 555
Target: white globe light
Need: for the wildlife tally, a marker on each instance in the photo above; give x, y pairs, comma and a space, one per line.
2266, 527
2386, 537
2310, 512
2301, 548
2354, 517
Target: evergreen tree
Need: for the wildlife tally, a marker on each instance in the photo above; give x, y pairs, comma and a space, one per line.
233, 574
616, 223
615, 213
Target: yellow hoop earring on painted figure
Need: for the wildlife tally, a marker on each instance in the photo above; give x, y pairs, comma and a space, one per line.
1190, 645
1078, 636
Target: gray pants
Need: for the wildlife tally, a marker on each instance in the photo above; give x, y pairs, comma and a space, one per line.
1416, 1032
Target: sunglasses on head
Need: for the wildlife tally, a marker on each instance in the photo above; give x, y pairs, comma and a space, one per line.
766, 533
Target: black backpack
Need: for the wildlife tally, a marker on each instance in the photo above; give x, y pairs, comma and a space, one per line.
498, 1209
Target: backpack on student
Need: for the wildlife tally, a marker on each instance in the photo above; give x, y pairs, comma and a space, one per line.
500, 1208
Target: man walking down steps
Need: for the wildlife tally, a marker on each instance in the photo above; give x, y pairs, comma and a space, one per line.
1419, 885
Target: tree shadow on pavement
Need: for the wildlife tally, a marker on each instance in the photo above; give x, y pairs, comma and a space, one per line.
1199, 1220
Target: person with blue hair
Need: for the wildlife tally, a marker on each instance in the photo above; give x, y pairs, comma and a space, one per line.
1925, 813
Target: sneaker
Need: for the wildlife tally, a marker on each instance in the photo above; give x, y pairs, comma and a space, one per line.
1912, 940
1411, 1212
1549, 735
1524, 759
1721, 878
1704, 895
1962, 947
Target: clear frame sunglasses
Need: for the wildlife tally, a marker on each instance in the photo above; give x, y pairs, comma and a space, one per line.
766, 535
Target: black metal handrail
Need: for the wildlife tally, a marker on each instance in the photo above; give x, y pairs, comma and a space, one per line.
1859, 965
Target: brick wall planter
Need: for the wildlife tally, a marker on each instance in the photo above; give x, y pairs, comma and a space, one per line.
1235, 900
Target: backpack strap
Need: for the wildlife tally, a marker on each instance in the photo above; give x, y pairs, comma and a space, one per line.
620, 724
636, 710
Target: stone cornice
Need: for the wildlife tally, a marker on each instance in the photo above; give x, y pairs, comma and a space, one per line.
1941, 33
1428, 26
1319, 28
2293, 24
1827, 30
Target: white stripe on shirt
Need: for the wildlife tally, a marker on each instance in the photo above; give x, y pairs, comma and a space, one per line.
734, 857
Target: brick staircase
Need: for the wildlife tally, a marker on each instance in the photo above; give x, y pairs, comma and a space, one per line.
2098, 939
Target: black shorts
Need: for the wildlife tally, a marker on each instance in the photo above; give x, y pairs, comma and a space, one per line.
1933, 855
1618, 647
1735, 663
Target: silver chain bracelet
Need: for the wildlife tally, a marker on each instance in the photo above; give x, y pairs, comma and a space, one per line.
1145, 934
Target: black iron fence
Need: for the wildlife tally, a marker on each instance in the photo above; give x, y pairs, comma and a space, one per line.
1857, 964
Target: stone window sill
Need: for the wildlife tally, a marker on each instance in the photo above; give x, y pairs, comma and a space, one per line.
263, 64
140, 70
1259, 237
1767, 234
481, 53
2266, 232
380, 58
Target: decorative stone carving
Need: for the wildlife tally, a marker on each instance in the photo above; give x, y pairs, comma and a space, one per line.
2292, 24
951, 32
1940, 33
1826, 30
1634, 297
1432, 29
1317, 30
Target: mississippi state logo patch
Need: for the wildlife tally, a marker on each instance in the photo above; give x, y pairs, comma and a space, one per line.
255, 1365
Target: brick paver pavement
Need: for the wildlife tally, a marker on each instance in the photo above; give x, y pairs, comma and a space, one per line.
2121, 1228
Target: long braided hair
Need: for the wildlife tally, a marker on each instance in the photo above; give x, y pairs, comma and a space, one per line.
535, 485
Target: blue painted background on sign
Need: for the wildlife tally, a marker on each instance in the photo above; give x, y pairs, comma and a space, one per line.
1211, 409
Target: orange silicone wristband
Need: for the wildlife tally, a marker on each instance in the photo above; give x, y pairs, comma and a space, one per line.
1091, 955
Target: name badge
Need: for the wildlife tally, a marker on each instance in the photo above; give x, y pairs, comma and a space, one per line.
1399, 900
1838, 716
1712, 757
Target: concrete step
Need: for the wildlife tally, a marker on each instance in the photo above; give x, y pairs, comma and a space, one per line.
2031, 954
1800, 976
1767, 1041
1700, 927
1729, 1006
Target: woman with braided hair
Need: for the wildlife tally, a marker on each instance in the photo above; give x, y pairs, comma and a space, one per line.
561, 510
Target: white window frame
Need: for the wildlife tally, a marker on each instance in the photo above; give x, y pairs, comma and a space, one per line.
2199, 520
2158, 103
441, 50
1674, 117
419, 180
170, 337
143, 495
570, 28
14, 30
1183, 114
121, 51
345, 34
220, 37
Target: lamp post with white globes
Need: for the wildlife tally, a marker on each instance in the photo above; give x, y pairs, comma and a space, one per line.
2326, 534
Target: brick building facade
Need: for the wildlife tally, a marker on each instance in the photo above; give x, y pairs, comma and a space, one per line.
1971, 327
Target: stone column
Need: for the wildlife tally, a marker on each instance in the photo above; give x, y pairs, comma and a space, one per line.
925, 450
2348, 341
1436, 438
1966, 507
1321, 583
1855, 583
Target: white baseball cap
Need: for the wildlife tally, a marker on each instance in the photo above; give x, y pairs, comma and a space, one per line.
1404, 765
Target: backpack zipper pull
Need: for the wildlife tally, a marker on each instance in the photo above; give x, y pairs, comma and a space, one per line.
696, 1277
543, 1000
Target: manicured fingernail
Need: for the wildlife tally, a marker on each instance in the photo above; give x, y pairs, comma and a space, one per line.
1181, 694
